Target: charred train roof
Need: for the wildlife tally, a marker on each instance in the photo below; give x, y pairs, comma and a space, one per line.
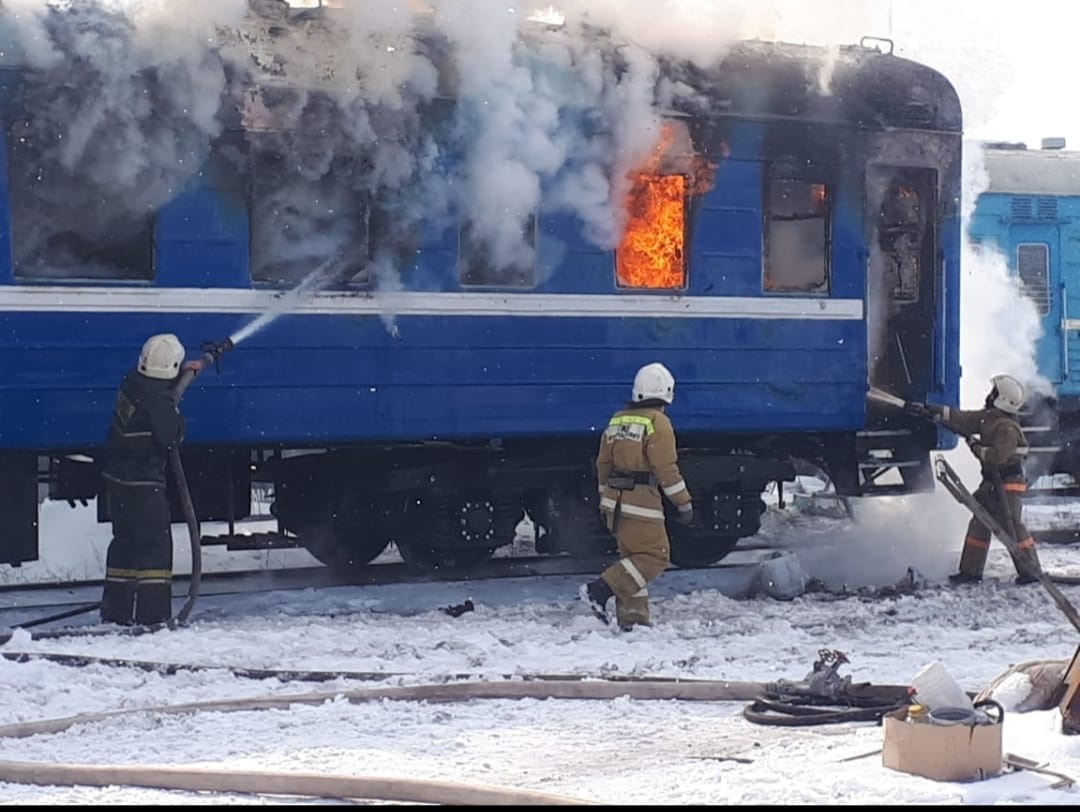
853, 85
1033, 172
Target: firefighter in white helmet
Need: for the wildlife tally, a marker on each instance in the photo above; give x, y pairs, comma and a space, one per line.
997, 440
146, 425
637, 466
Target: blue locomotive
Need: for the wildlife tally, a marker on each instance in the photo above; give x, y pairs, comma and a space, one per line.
793, 238
1031, 213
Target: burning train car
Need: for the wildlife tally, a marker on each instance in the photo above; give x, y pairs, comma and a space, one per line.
789, 236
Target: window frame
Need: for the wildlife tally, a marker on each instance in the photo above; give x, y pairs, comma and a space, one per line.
463, 230
1042, 310
367, 283
637, 289
771, 175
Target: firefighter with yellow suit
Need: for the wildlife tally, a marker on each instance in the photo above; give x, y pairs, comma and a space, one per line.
997, 440
637, 466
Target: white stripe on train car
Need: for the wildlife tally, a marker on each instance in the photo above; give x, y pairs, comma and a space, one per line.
42, 298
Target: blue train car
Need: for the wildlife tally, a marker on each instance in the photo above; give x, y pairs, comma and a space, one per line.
1031, 213
814, 251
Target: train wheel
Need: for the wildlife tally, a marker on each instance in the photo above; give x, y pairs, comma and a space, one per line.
570, 524
351, 536
694, 547
455, 531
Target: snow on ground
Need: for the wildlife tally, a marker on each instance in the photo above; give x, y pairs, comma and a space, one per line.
622, 751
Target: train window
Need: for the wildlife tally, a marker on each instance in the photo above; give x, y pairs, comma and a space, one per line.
902, 232
1033, 266
307, 217
797, 237
476, 268
652, 253
62, 227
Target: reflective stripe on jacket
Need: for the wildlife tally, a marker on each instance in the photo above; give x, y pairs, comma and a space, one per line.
640, 441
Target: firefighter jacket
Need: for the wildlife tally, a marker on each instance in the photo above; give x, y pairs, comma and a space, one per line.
146, 424
637, 460
1002, 445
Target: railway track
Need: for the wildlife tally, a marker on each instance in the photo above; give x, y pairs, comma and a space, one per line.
37, 609
22, 597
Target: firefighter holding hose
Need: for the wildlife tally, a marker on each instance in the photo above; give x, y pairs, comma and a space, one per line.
997, 440
146, 425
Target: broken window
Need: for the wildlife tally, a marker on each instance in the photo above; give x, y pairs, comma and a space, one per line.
652, 253
309, 215
477, 268
61, 228
901, 233
797, 237
1033, 267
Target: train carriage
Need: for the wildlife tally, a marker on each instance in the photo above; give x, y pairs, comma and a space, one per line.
793, 237
1030, 212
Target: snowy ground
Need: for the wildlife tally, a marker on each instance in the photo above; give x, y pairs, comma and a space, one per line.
622, 751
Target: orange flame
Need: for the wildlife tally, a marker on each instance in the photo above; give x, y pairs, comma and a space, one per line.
652, 251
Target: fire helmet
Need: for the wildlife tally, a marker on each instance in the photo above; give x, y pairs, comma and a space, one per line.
1008, 393
654, 381
161, 357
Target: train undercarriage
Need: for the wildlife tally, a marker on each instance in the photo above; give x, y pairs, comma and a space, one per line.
448, 506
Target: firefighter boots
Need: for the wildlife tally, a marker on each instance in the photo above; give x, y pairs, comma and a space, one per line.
964, 578
595, 595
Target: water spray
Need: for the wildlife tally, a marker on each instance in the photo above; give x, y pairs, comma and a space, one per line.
288, 301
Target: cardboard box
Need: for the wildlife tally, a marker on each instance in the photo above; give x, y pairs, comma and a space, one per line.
941, 752
1070, 701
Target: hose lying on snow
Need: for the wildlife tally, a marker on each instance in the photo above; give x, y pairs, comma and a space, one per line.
718, 691
296, 675
193, 779
406, 790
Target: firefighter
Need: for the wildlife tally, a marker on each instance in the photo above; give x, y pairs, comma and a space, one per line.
637, 462
998, 442
146, 425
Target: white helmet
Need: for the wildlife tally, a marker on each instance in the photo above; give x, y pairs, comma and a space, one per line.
161, 357
654, 381
1010, 393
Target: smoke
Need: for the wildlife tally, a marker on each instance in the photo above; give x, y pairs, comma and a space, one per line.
330, 126
999, 330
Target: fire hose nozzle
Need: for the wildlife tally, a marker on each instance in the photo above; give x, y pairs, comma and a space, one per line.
213, 350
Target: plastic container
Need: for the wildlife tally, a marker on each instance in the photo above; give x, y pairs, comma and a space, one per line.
934, 688
952, 716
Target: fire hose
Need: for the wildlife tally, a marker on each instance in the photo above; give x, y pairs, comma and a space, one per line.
211, 356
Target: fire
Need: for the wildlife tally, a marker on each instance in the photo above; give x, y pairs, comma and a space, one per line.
652, 253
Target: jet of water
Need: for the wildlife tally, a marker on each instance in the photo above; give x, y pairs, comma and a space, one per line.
289, 301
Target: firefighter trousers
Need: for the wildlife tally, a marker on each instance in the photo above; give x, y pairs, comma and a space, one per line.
644, 553
1007, 512
138, 575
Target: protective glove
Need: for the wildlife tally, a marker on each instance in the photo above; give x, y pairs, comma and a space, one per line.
927, 411
977, 448
685, 514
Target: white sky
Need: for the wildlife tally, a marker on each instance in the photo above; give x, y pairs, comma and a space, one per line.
1012, 63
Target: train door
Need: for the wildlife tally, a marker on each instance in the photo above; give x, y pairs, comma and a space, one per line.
901, 203
1034, 258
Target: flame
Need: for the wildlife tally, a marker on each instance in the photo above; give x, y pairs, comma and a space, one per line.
652, 253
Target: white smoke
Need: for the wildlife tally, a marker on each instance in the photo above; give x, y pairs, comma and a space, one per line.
999, 330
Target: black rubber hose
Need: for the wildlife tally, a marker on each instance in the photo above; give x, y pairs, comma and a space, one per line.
194, 535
